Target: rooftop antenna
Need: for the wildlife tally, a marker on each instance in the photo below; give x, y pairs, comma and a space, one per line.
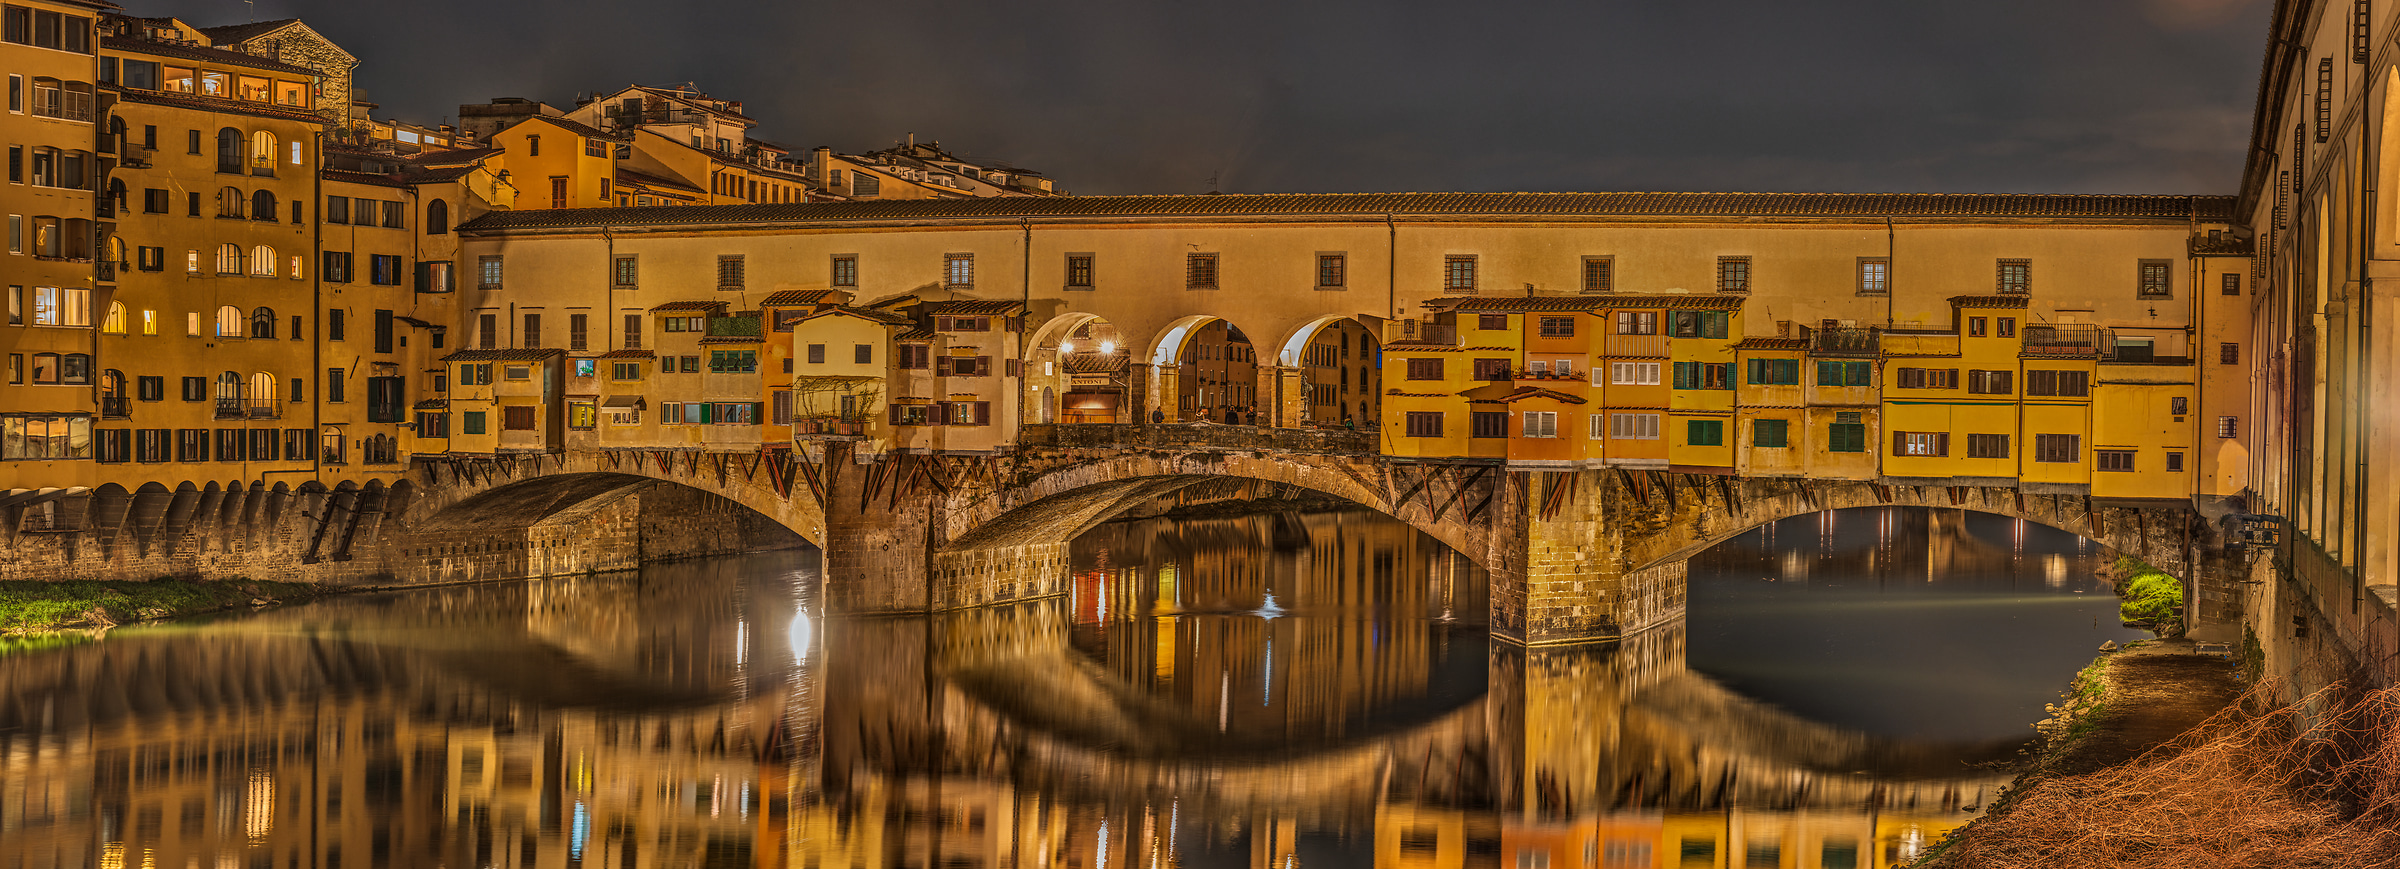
1212, 180
253, 4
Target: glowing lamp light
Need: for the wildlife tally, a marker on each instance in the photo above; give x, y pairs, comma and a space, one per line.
1108, 347
1066, 346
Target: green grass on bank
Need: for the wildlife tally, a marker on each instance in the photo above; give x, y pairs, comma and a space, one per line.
27, 605
2149, 594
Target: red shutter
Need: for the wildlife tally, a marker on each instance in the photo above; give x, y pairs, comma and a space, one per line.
941, 366
983, 366
1016, 368
983, 413
894, 411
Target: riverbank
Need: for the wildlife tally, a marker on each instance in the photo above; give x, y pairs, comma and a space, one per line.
2159, 756
28, 606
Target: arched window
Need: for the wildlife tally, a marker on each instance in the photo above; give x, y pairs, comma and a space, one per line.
262, 154
229, 322
229, 259
437, 218
116, 252
112, 384
229, 150
262, 323
262, 205
231, 202
262, 391
229, 391
115, 324
262, 261
116, 194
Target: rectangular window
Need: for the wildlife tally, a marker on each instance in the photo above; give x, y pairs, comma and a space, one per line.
384, 269
1332, 271
1079, 271
337, 209
152, 388
2057, 448
531, 337
2178, 406
2155, 280
1424, 369
1458, 274
1424, 424
958, 269
2008, 327
2232, 285
1599, 274
1541, 423
845, 270
1775, 372
1874, 276
1844, 373
816, 354
2175, 462
626, 272
1981, 382
2113, 460
1908, 443
1975, 326
1200, 271
1699, 324
1487, 424
2016, 276
625, 371
1704, 432
1633, 426
1987, 446
1637, 322
2229, 354
471, 422
2064, 383
633, 331
1633, 373
1771, 433
1928, 378
384, 326
733, 361
862, 354
490, 272
1558, 327
730, 272
1491, 369
1847, 433
1733, 274
517, 418
915, 356
2228, 426
1491, 322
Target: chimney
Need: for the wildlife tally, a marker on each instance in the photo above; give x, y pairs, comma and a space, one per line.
912, 140
817, 165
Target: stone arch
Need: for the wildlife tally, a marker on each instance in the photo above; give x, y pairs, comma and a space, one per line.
1078, 347
1310, 397
1213, 383
483, 524
1013, 547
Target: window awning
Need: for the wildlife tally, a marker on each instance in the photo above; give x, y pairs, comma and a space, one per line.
632, 401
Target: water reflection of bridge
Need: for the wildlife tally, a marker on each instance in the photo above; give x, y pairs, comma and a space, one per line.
666, 720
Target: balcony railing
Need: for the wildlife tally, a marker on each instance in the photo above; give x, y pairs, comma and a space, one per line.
1844, 342
2064, 341
249, 408
116, 408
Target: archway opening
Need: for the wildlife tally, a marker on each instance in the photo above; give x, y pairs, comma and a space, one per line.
1923, 623
579, 523
1204, 369
1078, 373
1338, 364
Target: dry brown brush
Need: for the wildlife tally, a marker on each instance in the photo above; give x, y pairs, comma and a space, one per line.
2260, 784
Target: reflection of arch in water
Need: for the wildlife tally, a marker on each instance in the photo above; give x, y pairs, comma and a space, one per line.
543, 526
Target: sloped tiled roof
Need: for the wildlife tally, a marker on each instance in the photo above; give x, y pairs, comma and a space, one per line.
629, 354
2223, 245
654, 182
689, 306
972, 307
1772, 344
1656, 205
885, 317
733, 339
452, 156
194, 52
223, 34
1583, 303
205, 104
579, 129
363, 178
795, 297
504, 355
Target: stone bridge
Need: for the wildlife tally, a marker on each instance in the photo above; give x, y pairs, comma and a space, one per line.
1572, 555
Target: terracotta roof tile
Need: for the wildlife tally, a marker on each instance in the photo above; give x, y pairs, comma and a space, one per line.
629, 354
579, 129
2178, 209
504, 355
2224, 245
433, 404
194, 52
917, 335
239, 32
795, 297
1772, 344
654, 182
689, 305
450, 156
885, 317
235, 107
363, 178
734, 339
1583, 303
976, 307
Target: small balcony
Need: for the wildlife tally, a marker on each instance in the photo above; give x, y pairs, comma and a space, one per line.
1843, 341
116, 407
2064, 342
249, 408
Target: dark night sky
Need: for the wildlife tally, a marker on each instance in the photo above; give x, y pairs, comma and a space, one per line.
1129, 96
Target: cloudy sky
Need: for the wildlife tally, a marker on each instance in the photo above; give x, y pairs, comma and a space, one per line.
1127, 96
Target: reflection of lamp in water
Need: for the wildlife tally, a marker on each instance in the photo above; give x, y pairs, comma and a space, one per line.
802, 634
2054, 571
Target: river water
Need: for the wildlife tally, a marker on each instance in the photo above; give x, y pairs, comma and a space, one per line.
1282, 690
